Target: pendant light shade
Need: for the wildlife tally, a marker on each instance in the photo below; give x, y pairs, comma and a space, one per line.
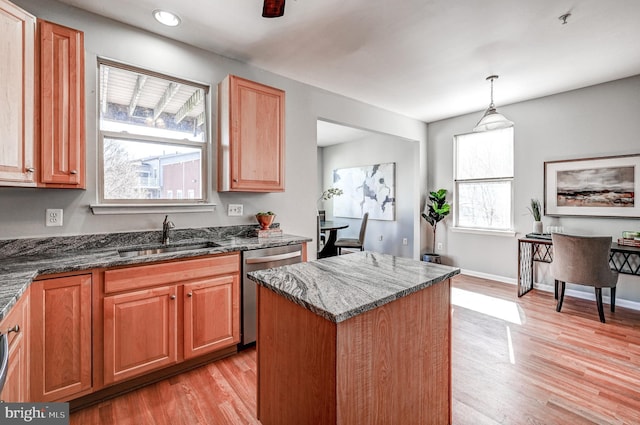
273, 8
492, 119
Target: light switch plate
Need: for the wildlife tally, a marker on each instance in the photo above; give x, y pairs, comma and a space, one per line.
235, 210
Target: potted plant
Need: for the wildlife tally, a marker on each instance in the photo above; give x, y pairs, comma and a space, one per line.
534, 209
265, 219
438, 209
326, 195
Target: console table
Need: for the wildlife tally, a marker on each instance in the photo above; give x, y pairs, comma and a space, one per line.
623, 259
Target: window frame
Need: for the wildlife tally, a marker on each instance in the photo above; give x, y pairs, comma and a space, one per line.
510, 231
118, 206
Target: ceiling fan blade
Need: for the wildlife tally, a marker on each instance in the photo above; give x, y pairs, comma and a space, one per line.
273, 8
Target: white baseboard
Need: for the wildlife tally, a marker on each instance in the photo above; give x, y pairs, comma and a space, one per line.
633, 305
489, 276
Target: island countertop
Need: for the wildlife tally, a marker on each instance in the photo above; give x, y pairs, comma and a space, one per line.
341, 287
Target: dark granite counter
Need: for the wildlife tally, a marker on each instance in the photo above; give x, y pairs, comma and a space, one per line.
22, 260
338, 288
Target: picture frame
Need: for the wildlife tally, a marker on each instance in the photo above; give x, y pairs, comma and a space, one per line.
593, 187
369, 188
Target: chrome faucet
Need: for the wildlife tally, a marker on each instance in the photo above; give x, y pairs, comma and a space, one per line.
166, 226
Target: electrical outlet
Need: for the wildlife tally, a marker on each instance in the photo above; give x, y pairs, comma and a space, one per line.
53, 217
439, 246
405, 241
235, 210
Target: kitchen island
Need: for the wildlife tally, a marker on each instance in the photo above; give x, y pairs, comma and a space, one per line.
363, 338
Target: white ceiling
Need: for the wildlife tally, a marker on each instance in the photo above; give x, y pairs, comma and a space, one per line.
426, 59
333, 134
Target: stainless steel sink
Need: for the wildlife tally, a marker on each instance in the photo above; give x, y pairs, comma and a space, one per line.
164, 249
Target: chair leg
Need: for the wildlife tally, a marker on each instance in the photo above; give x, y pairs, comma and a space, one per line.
599, 302
560, 296
613, 299
555, 290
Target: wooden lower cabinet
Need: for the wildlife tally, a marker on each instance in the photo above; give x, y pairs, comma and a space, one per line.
16, 387
139, 332
61, 338
158, 315
211, 315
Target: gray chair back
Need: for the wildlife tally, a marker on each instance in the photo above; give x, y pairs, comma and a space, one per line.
583, 260
363, 228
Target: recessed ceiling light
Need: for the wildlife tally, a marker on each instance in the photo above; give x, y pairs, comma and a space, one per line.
166, 18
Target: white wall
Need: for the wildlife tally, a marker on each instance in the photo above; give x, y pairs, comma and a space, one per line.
596, 121
376, 149
22, 210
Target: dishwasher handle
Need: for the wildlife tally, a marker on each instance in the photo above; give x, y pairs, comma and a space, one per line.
4, 359
271, 258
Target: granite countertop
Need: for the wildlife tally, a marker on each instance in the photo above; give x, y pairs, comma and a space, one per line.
338, 288
18, 268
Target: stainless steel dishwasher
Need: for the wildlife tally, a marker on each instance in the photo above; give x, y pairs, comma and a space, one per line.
260, 259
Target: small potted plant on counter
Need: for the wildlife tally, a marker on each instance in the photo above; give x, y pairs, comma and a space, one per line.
438, 209
265, 219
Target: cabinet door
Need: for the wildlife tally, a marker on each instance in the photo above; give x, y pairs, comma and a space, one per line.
62, 126
211, 315
16, 387
139, 332
251, 151
17, 29
60, 338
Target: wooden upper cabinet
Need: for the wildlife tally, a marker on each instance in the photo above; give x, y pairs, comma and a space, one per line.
17, 32
62, 122
250, 136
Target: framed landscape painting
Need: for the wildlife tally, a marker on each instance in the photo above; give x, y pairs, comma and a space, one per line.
594, 187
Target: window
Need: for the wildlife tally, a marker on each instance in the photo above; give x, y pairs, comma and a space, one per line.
483, 174
153, 137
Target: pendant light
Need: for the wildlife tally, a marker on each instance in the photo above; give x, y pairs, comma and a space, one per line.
492, 120
273, 8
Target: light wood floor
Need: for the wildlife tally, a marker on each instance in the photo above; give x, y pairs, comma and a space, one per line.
551, 368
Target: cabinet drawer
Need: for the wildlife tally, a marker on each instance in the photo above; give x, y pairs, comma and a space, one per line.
130, 278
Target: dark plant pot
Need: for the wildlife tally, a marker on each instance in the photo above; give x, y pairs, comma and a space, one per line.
432, 258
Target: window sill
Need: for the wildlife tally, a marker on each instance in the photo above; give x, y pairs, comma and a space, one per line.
104, 209
487, 232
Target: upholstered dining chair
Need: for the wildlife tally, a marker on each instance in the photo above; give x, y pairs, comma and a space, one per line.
353, 242
583, 260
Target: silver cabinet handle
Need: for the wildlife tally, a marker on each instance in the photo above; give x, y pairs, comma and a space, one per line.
73, 172
189, 294
173, 297
31, 170
15, 329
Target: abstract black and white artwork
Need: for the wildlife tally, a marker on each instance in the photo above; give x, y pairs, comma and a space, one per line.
369, 188
603, 187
